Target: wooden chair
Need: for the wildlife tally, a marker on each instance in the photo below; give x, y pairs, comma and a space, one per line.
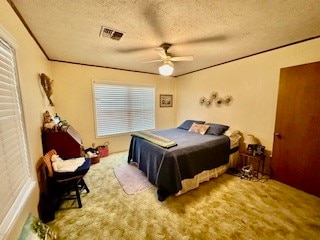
61, 185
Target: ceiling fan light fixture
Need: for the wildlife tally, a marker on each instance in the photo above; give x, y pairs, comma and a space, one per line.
166, 70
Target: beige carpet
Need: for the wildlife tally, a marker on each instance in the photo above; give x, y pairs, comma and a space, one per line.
224, 208
131, 178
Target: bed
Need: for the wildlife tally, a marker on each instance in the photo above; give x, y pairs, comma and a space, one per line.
186, 158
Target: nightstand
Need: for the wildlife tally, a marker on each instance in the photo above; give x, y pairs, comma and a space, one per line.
257, 162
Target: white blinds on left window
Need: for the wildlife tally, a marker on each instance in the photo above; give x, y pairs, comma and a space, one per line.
14, 172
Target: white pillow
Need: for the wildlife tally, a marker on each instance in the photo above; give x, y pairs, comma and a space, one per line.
231, 132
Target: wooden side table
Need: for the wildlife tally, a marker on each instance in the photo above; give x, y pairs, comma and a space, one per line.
247, 158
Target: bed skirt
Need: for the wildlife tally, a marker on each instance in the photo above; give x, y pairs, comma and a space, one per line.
193, 183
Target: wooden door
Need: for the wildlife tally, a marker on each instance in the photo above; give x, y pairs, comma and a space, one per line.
296, 147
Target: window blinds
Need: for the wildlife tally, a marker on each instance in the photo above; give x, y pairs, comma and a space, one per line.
14, 171
122, 109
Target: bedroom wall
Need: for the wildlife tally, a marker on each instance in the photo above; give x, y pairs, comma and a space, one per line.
31, 62
74, 99
252, 82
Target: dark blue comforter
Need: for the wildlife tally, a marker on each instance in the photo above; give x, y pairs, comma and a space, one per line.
194, 153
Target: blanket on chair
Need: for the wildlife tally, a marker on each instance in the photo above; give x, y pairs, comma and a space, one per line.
69, 165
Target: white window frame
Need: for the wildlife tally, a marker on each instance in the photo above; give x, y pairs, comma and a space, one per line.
20, 191
101, 132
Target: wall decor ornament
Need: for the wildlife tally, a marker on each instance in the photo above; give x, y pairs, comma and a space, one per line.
219, 101
46, 84
214, 95
227, 100
202, 100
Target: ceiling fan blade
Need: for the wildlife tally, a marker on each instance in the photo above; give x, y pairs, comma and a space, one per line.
161, 52
183, 58
150, 61
205, 39
132, 50
152, 16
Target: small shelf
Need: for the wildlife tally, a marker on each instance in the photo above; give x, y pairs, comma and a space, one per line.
257, 162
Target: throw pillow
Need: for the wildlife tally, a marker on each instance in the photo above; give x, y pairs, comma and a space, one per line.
199, 128
216, 129
188, 123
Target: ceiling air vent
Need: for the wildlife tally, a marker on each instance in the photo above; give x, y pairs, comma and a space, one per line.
110, 33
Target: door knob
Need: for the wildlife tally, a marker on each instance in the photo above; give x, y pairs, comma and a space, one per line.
278, 135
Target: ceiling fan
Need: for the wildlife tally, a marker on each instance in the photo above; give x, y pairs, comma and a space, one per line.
167, 68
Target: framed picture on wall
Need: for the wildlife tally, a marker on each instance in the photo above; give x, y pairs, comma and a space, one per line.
165, 100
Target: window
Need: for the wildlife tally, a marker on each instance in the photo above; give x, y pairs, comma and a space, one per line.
122, 109
16, 182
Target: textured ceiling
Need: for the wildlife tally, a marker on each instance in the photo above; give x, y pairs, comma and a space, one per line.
213, 31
